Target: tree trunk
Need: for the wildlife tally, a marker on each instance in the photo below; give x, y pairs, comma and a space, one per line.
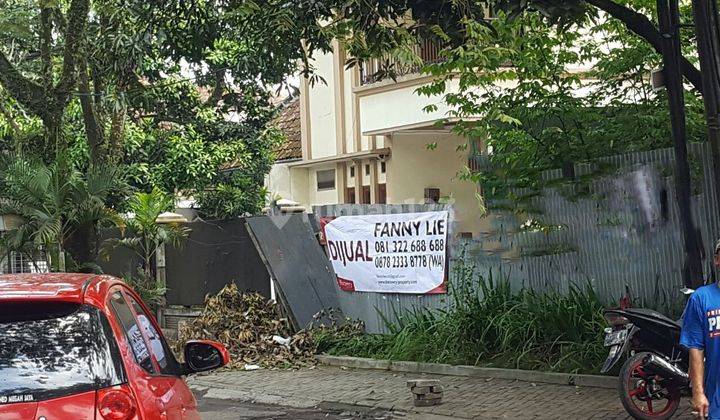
117, 132
61, 258
46, 46
54, 139
83, 244
668, 16
93, 130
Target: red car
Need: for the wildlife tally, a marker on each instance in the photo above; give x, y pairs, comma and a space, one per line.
83, 346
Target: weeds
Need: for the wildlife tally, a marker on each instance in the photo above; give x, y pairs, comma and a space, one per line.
489, 324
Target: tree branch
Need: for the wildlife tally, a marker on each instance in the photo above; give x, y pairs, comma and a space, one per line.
93, 130
643, 27
117, 132
28, 93
77, 18
219, 88
46, 46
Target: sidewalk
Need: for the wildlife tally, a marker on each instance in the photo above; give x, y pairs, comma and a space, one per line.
465, 398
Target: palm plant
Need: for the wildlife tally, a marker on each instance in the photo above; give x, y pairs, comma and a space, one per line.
57, 206
146, 234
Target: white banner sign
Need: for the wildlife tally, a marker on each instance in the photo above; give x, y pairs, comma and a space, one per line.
393, 253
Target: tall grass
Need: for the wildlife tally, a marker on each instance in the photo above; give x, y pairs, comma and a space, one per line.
489, 324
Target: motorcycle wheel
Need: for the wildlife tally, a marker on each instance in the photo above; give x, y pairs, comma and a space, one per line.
634, 393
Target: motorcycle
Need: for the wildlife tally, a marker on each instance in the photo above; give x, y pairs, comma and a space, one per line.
654, 377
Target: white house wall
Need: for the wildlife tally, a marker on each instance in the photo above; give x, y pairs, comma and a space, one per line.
413, 167
322, 109
350, 122
390, 109
285, 182
278, 181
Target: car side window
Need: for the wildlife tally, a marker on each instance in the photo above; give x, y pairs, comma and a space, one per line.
158, 345
132, 331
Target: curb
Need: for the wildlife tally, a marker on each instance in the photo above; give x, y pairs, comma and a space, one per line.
592, 381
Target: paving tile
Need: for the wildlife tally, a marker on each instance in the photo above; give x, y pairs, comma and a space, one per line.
465, 398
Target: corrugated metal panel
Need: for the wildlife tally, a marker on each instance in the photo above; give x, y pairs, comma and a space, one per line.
615, 235
621, 233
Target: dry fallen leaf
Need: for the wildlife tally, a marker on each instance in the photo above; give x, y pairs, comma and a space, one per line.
246, 323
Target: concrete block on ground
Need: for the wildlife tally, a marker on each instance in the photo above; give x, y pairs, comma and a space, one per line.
419, 390
425, 392
430, 396
422, 382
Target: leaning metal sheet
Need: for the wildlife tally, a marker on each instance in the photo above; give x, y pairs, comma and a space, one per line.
298, 264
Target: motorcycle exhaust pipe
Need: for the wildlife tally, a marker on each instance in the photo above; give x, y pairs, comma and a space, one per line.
668, 369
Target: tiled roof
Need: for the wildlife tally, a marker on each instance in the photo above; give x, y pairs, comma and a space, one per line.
289, 123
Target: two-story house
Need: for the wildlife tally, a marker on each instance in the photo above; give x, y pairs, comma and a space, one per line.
367, 141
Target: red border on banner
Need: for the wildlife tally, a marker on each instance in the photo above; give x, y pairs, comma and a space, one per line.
324, 221
438, 290
345, 284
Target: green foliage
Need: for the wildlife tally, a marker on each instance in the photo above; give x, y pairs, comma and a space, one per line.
238, 190
489, 324
192, 158
237, 196
55, 202
173, 159
517, 94
151, 292
146, 235
173, 90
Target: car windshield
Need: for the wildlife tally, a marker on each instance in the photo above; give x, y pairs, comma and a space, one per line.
50, 350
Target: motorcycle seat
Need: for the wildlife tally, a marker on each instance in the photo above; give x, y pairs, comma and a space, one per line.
649, 313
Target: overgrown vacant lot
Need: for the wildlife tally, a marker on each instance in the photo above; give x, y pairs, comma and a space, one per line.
489, 325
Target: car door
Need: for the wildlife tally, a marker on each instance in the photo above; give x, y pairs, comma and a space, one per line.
153, 373
183, 399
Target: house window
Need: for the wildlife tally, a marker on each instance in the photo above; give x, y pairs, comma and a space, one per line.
382, 167
432, 195
326, 179
352, 172
367, 169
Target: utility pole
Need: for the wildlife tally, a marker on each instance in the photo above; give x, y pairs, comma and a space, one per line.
669, 23
708, 46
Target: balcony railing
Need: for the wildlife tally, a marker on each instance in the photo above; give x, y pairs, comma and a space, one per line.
375, 70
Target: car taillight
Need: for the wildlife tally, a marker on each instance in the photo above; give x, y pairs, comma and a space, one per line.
616, 320
116, 403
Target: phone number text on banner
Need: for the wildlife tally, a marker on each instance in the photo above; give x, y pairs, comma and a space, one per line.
392, 253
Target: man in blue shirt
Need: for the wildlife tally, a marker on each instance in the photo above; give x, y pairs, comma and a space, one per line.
701, 336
